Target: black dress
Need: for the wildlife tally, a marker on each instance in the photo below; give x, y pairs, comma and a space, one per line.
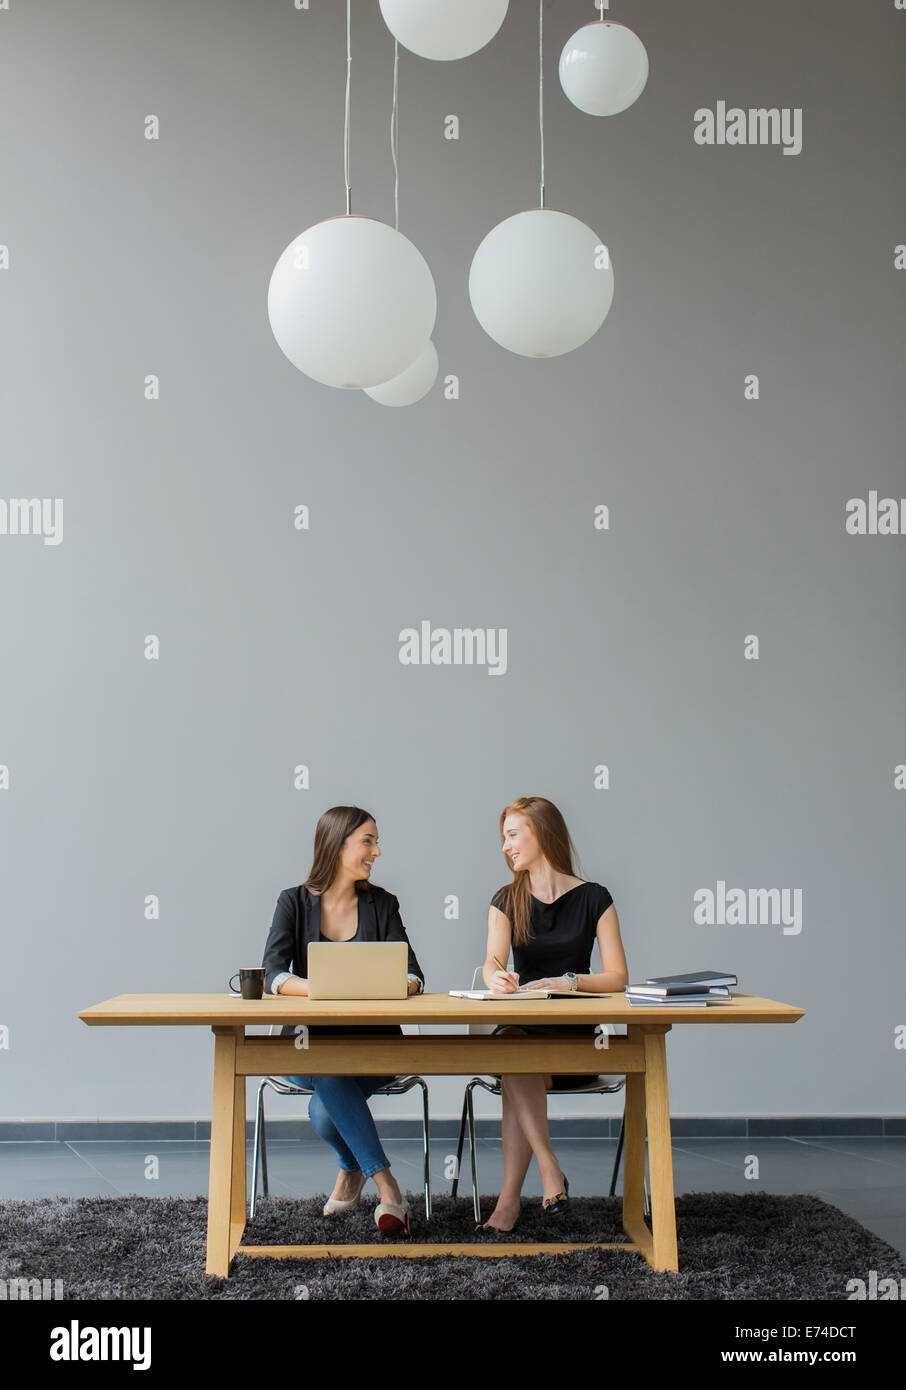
563, 934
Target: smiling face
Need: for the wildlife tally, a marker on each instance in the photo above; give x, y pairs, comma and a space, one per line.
360, 850
520, 844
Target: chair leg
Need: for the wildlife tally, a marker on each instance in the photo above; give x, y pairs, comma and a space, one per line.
259, 1149
616, 1162
426, 1139
476, 1204
462, 1136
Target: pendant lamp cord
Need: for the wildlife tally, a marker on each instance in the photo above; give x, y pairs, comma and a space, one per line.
541, 89
395, 133
346, 123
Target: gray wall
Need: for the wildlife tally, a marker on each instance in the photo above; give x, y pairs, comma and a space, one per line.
626, 647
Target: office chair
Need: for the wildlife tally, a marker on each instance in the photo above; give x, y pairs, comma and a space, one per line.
398, 1087
605, 1085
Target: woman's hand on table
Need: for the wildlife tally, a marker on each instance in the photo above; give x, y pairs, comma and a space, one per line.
560, 982
414, 987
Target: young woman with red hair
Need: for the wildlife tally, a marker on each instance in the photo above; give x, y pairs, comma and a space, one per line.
550, 919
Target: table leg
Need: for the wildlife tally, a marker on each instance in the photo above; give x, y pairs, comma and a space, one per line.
238, 1199
647, 1108
634, 1151
660, 1154
223, 1202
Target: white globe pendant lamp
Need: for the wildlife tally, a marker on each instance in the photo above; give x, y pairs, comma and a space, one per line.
412, 384
603, 68
541, 282
351, 301
444, 29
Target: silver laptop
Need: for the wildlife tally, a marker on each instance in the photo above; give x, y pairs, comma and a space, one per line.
358, 970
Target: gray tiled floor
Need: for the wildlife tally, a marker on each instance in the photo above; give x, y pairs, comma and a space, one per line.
864, 1177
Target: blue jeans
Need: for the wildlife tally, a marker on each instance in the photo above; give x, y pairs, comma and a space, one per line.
339, 1113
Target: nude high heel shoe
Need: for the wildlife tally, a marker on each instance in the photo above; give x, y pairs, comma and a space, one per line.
334, 1204
392, 1220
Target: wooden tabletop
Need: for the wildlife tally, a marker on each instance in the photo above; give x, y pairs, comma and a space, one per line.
229, 1010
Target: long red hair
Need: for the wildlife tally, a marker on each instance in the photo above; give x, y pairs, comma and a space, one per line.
555, 844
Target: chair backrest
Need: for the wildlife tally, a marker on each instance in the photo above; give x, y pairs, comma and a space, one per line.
602, 1084
478, 983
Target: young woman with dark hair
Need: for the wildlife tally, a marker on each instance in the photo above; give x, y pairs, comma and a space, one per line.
338, 902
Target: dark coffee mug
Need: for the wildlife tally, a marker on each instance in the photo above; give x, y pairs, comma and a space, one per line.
251, 982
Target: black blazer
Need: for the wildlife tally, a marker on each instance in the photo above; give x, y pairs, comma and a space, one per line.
297, 921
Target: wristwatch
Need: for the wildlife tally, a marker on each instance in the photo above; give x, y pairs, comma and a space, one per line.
573, 980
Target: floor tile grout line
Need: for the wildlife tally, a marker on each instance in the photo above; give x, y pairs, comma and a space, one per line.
690, 1153
845, 1153
834, 1197
97, 1171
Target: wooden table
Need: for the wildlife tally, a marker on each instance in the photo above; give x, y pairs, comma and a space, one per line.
641, 1056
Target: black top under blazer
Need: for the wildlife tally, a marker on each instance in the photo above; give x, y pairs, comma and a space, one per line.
297, 921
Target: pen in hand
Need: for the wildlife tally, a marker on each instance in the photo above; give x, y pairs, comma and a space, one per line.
510, 976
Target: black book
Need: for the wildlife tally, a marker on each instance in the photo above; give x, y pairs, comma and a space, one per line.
688, 984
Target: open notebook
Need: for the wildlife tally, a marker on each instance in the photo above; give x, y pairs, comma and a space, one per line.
526, 994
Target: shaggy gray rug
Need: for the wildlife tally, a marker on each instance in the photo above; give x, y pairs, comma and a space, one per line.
754, 1246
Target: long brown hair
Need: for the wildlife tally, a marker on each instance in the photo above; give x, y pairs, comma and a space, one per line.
331, 833
555, 844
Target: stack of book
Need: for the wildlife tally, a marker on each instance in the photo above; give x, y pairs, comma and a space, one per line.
701, 987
